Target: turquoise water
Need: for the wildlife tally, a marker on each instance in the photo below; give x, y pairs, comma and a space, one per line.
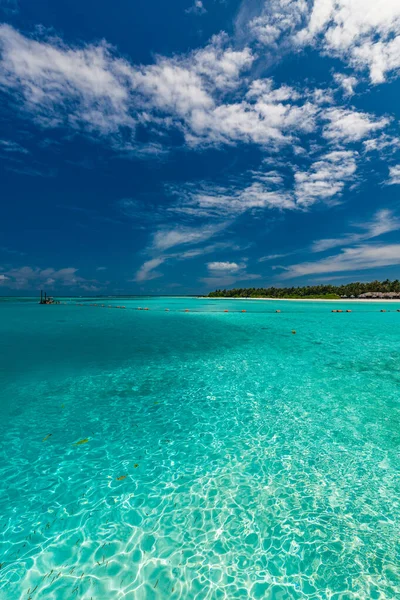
256, 463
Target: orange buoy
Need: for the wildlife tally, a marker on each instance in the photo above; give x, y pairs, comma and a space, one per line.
383, 310
348, 310
278, 311
226, 310
146, 308
245, 311
339, 311
186, 310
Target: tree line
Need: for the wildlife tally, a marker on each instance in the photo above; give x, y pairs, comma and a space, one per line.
310, 291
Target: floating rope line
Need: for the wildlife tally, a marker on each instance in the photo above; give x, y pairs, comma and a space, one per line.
221, 311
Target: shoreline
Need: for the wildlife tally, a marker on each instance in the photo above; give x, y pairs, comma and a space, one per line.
349, 300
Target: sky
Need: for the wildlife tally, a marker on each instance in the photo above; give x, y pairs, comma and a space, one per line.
152, 147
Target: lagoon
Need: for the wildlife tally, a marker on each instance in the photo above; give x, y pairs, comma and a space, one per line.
220, 455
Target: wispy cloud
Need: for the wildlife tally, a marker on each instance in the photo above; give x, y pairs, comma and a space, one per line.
147, 271
359, 258
167, 238
384, 221
272, 257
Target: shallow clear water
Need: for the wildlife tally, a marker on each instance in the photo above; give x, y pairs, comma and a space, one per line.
256, 463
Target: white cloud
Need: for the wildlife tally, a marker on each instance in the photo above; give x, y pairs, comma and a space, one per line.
365, 33
349, 125
359, 258
33, 277
226, 267
166, 238
347, 82
226, 273
147, 270
267, 115
81, 87
271, 24
384, 221
90, 88
10, 146
197, 8
384, 143
326, 178
394, 175
271, 257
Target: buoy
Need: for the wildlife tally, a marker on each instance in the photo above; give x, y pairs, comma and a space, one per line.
348, 310
334, 311
339, 311
186, 310
123, 306
139, 308
293, 331
278, 311
167, 310
383, 310
146, 308
226, 310
245, 311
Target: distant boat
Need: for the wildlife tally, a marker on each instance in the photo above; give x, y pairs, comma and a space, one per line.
45, 299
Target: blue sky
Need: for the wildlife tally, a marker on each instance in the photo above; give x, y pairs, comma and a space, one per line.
176, 147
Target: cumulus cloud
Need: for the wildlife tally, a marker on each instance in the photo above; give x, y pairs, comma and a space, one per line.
347, 82
349, 125
33, 277
394, 175
197, 8
384, 221
363, 33
326, 178
147, 271
359, 258
81, 87
366, 33
272, 22
225, 267
226, 273
90, 88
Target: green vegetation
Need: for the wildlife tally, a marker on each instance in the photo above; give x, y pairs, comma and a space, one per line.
311, 291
